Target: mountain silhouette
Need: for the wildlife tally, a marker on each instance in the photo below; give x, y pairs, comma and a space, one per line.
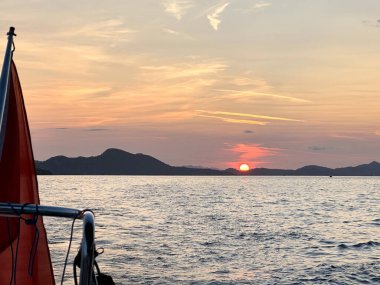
42, 172
371, 169
119, 162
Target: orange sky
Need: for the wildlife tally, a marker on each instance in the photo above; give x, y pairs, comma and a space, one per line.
277, 84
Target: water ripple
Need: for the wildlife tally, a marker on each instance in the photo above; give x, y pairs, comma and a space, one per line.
224, 230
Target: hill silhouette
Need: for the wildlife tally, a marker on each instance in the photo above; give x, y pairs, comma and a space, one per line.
371, 169
119, 162
42, 172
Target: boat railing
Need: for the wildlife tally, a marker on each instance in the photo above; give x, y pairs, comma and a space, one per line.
88, 238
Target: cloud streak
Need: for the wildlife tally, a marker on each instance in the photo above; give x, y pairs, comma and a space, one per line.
108, 29
261, 94
235, 121
178, 8
347, 137
255, 7
317, 148
248, 116
214, 16
186, 70
251, 153
262, 5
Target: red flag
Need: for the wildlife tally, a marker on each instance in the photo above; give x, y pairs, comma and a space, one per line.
18, 184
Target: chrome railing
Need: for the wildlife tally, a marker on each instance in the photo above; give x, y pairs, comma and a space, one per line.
88, 239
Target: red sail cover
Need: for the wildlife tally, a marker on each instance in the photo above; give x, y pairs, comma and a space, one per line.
18, 184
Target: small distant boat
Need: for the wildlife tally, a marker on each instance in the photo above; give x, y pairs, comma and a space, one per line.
24, 252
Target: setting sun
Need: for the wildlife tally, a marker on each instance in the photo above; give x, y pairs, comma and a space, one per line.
244, 167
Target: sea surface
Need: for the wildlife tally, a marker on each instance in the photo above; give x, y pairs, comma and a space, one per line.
223, 230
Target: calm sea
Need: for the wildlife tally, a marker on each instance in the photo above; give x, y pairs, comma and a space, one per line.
223, 230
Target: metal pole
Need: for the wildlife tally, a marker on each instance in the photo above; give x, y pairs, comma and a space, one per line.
87, 250
4, 80
13, 209
87, 276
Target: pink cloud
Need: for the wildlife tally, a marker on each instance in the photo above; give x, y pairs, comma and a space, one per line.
251, 154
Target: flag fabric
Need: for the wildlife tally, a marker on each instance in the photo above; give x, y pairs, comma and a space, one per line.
24, 252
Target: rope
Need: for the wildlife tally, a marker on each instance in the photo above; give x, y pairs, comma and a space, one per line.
33, 250
69, 247
11, 244
14, 269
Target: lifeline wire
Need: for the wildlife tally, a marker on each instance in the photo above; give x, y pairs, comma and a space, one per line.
14, 269
15, 255
33, 250
68, 249
11, 244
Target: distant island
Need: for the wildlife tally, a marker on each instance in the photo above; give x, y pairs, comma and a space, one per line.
119, 162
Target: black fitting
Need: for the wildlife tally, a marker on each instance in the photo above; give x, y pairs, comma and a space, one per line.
11, 31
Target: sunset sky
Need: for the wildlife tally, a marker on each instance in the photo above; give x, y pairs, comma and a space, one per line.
278, 84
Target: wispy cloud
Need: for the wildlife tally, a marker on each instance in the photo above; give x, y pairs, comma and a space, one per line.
71, 89
248, 115
252, 153
235, 121
259, 6
172, 32
262, 5
175, 33
96, 130
255, 7
177, 8
318, 148
253, 93
112, 28
186, 70
72, 59
347, 137
214, 16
